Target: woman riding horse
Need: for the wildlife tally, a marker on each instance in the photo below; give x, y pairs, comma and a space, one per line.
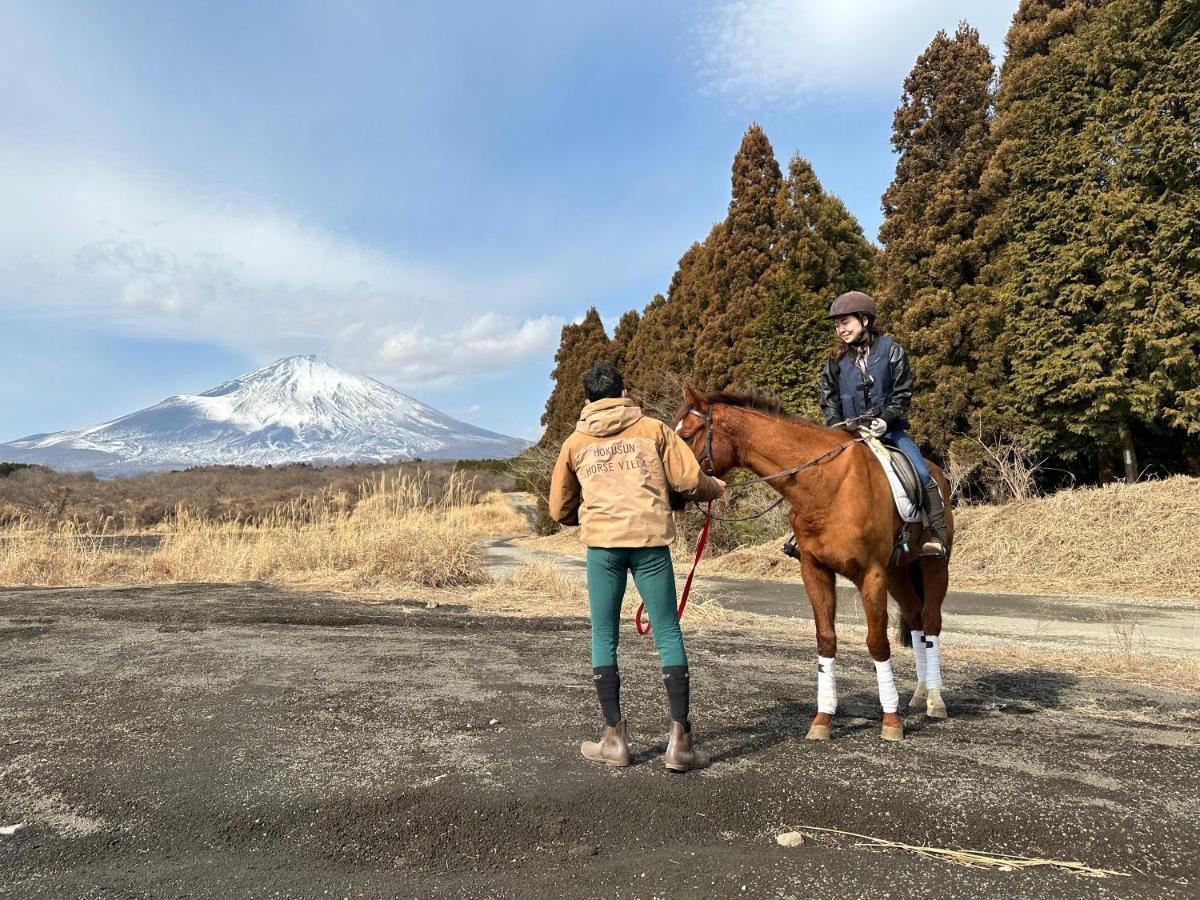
844, 522
867, 380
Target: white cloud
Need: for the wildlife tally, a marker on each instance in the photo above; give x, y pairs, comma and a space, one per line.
157, 260
784, 51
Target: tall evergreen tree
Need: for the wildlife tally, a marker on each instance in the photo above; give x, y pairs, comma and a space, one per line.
623, 336
1097, 156
665, 341
742, 248
581, 347
933, 301
820, 252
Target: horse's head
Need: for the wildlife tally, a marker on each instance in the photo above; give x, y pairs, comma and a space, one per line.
694, 423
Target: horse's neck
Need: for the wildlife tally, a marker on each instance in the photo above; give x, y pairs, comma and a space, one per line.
770, 444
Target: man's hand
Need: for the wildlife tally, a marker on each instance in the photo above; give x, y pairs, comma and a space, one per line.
878, 428
722, 486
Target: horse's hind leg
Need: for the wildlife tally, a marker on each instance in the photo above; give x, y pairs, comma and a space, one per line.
900, 586
819, 584
874, 591
935, 573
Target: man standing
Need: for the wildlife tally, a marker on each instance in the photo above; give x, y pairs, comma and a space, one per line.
613, 479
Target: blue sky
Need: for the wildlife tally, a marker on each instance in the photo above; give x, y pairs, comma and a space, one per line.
420, 192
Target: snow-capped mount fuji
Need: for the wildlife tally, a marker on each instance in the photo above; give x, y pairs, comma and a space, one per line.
298, 409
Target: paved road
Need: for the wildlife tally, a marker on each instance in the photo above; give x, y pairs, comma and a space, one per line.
1033, 621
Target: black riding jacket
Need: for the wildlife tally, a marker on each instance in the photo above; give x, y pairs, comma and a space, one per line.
888, 386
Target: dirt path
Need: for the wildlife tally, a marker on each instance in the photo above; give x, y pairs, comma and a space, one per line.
1030, 621
245, 741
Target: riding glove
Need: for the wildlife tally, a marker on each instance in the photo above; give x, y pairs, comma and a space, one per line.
878, 428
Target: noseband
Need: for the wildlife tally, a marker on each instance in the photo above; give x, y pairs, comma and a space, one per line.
706, 458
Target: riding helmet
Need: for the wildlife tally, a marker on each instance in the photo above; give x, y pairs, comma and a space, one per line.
853, 303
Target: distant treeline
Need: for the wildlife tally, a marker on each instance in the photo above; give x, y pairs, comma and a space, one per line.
40, 496
1041, 252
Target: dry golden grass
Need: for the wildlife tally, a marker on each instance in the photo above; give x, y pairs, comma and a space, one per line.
1139, 540
396, 534
540, 589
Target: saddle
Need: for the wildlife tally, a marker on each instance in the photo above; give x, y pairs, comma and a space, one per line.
907, 489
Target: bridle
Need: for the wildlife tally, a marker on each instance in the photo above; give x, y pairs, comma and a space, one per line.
706, 458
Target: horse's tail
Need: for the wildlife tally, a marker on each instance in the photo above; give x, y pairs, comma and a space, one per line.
918, 581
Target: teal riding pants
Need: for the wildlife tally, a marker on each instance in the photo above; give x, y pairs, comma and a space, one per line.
607, 575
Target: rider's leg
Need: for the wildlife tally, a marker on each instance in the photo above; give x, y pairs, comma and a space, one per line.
940, 546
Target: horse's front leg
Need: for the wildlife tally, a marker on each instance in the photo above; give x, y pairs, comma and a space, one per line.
873, 588
819, 583
935, 575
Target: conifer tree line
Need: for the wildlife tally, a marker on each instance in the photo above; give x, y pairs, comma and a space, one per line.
1040, 251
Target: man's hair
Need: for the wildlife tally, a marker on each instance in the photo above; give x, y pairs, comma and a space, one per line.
603, 381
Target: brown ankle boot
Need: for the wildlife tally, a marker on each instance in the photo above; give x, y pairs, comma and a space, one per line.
681, 754
612, 749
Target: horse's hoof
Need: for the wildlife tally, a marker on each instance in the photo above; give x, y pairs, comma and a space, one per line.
817, 733
892, 732
934, 707
918, 697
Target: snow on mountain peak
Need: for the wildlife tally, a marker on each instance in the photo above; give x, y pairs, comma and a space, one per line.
299, 408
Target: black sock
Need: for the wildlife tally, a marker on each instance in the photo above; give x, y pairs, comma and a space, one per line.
608, 689
678, 694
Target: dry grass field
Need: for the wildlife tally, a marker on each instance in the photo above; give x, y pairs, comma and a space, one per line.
35, 495
1139, 540
402, 529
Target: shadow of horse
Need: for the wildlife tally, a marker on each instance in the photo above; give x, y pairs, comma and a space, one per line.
1023, 692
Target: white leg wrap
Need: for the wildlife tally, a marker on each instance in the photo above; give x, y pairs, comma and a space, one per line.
826, 684
889, 697
918, 639
933, 663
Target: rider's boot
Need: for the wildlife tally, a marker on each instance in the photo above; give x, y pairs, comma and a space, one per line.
682, 755
937, 541
612, 749
790, 548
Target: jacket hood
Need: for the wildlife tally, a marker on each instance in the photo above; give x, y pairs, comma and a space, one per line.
608, 416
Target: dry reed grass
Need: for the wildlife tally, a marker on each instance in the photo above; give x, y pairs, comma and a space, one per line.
972, 859
1139, 540
400, 532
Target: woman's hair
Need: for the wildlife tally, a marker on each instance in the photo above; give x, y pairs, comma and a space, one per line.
840, 348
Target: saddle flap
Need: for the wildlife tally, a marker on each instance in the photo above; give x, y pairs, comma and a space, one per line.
907, 474
902, 479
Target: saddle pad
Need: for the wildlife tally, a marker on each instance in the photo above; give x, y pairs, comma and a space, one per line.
908, 510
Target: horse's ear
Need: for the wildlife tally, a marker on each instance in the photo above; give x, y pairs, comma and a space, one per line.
694, 400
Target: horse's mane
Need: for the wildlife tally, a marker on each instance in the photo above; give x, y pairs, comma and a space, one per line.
755, 400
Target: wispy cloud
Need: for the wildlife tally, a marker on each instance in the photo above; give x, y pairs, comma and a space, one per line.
786, 51
160, 260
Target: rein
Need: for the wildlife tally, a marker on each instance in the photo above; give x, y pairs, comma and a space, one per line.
644, 628
705, 460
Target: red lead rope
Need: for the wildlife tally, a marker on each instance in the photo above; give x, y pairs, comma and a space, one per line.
644, 628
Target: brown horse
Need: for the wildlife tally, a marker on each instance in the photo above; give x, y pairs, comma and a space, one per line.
845, 522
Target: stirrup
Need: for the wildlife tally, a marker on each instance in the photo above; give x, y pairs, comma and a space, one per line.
933, 549
790, 549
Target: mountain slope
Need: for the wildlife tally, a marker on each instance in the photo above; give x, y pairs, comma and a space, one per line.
298, 409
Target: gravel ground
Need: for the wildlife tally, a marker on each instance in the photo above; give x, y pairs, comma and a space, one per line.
244, 741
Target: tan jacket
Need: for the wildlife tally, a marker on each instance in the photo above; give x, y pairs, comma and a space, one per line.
613, 475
